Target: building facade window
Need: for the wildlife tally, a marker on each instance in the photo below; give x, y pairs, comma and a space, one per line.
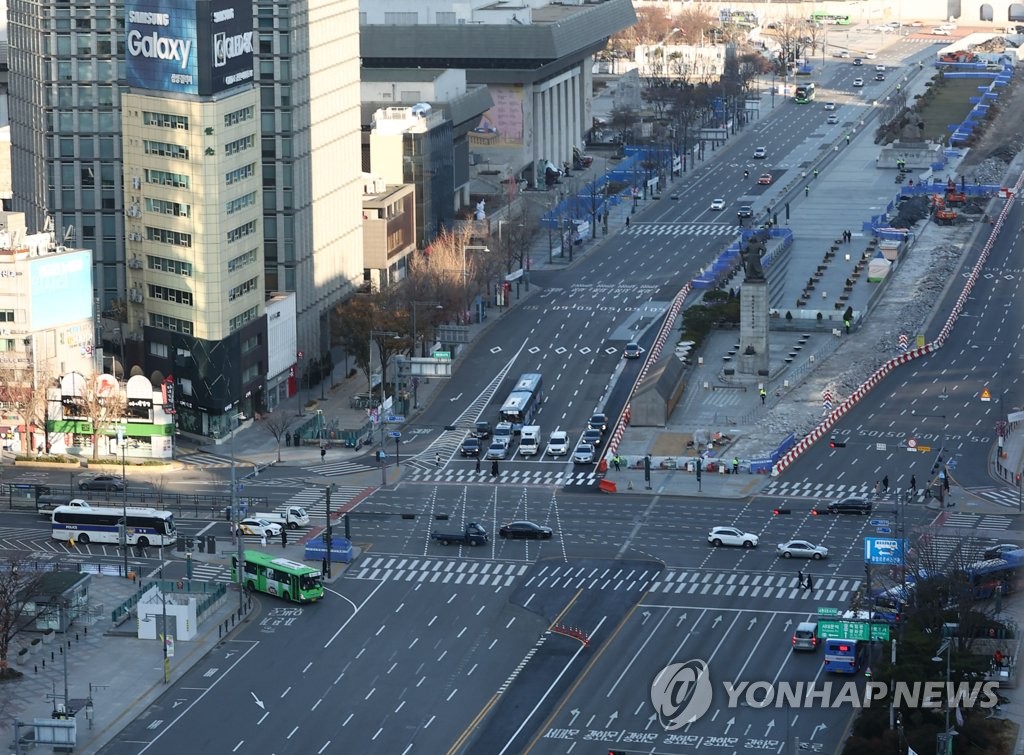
240, 116
6, 345
166, 178
246, 200
165, 120
242, 231
242, 260
6, 315
163, 236
169, 266
164, 149
170, 294
251, 372
158, 349
165, 207
240, 145
173, 324
245, 288
247, 316
240, 174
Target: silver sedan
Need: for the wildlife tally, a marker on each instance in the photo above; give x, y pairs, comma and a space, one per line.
802, 549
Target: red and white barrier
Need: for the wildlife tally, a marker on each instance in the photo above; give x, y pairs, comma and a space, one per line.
840, 411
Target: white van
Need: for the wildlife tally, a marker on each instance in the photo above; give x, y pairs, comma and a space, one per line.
529, 441
558, 443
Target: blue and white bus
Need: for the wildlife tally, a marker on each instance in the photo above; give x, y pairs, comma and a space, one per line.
842, 656
523, 402
145, 527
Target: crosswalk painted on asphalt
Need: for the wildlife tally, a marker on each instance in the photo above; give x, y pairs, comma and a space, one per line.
339, 468
825, 490
508, 476
438, 571
833, 590
1008, 497
683, 229
204, 459
203, 572
973, 521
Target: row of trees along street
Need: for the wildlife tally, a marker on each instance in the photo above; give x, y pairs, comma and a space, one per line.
441, 286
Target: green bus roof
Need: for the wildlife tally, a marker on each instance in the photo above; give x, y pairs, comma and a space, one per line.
284, 564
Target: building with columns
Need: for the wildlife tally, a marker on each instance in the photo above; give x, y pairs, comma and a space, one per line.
535, 57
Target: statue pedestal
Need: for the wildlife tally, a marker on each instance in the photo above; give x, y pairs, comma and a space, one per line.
753, 354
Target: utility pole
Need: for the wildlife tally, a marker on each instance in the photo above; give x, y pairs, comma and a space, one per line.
328, 537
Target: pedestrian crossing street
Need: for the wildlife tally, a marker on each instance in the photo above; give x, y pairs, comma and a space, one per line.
833, 590
1008, 497
825, 490
683, 229
509, 476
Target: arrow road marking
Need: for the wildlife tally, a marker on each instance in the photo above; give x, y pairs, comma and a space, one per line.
453, 399
611, 718
258, 701
751, 623
789, 623
575, 712
819, 727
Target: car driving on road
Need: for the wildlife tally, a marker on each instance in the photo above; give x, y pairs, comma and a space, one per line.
760, 153
745, 211
584, 454
598, 422
801, 549
525, 529
731, 536
470, 447
764, 179
558, 443
258, 528
717, 204
497, 451
830, 106
105, 482
850, 505
632, 351
832, 119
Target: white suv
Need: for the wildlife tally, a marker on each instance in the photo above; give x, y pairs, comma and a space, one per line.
558, 443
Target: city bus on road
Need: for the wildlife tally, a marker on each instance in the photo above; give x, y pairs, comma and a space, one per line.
282, 577
523, 402
842, 656
804, 94
823, 17
100, 524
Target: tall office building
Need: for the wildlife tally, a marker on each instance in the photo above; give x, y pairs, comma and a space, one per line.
66, 60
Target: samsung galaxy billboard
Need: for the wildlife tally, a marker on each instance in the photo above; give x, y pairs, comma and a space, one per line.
187, 46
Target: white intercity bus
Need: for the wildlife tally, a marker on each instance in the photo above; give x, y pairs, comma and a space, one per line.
145, 527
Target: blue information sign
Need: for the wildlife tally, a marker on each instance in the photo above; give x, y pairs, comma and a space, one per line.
884, 550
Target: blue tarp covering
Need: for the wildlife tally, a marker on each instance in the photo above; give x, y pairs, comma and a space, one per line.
341, 550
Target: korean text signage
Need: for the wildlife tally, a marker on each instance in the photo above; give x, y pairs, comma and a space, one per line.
188, 46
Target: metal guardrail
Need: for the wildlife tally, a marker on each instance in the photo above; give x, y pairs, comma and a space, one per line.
213, 590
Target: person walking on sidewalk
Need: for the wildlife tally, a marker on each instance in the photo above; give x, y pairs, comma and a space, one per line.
437, 460
800, 578
478, 462
263, 539
809, 583
284, 537
885, 484
764, 396
913, 484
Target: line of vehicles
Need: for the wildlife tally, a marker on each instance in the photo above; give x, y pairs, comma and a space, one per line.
473, 534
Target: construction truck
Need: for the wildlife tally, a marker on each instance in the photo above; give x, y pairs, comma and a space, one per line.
943, 215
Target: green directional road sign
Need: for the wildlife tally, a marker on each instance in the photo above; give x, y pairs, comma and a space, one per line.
442, 355
853, 630
827, 611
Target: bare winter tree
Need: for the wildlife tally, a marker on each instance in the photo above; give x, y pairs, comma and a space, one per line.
277, 424
24, 393
17, 588
102, 402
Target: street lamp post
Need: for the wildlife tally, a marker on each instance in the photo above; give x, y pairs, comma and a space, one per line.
465, 269
944, 744
236, 512
415, 332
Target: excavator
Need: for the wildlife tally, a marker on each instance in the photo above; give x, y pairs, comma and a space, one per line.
943, 215
953, 196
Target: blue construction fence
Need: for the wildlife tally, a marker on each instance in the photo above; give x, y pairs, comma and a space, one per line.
878, 225
592, 198
764, 464
989, 93
726, 263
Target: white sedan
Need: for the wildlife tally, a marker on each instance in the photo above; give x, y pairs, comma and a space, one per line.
802, 549
497, 451
258, 528
717, 204
584, 454
731, 536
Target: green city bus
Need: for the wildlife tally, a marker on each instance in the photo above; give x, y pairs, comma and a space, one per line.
804, 94
279, 576
823, 17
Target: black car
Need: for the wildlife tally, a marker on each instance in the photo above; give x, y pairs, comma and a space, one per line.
850, 505
102, 482
746, 211
525, 530
592, 436
481, 430
998, 551
598, 422
879, 77
470, 447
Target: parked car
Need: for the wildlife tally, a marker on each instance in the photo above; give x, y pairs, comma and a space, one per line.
717, 204
765, 179
105, 482
584, 454
632, 351
731, 536
258, 528
558, 443
470, 447
801, 549
525, 529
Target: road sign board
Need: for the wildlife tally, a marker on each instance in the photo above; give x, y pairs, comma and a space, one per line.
879, 522
394, 419
395, 434
924, 449
853, 630
827, 611
883, 531
911, 443
442, 355
884, 550
986, 395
